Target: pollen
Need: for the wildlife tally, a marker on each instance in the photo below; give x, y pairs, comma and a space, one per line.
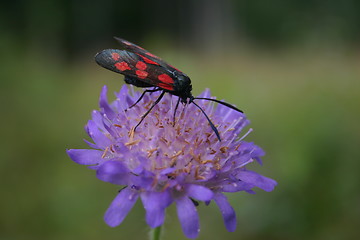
224, 149
212, 151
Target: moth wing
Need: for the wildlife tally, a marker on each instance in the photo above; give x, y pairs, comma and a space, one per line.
132, 65
144, 54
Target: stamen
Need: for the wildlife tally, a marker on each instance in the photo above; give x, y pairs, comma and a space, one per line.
147, 106
131, 133
197, 176
132, 142
176, 154
160, 168
247, 133
105, 152
166, 186
164, 140
112, 148
177, 129
150, 152
206, 161
224, 149
187, 169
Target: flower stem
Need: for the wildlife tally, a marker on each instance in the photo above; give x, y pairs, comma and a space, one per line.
155, 233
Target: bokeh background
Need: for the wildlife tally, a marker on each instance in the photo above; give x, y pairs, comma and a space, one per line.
293, 66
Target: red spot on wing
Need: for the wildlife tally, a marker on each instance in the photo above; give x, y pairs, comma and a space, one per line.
141, 74
115, 56
165, 86
122, 66
141, 65
165, 78
148, 60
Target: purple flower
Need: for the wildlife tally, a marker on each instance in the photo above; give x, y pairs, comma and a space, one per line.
163, 162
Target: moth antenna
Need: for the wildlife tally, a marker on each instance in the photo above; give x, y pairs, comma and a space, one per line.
221, 102
211, 124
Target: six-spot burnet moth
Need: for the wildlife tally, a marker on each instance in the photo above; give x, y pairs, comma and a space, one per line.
143, 69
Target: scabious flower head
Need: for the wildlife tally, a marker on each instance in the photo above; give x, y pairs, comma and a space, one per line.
165, 162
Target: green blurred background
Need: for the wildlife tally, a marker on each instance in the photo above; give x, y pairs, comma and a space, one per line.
293, 66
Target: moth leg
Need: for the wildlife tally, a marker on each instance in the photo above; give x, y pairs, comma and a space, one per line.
176, 107
148, 111
155, 89
142, 95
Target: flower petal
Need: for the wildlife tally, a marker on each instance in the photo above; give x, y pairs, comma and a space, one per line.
85, 156
155, 204
114, 172
227, 211
236, 186
126, 97
188, 217
120, 207
98, 118
103, 102
90, 144
199, 192
99, 138
256, 179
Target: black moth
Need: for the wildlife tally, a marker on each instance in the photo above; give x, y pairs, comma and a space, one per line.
143, 69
